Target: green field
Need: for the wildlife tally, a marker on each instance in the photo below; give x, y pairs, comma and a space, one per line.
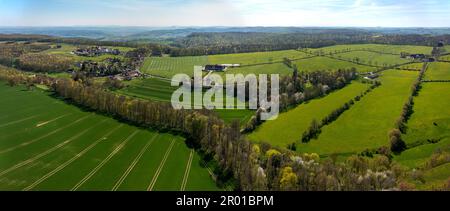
371, 58
170, 66
445, 58
390, 49
438, 71
417, 66
367, 123
256, 58
277, 68
160, 90
289, 126
325, 63
429, 122
46, 144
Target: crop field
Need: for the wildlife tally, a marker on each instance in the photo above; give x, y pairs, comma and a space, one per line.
256, 58
160, 90
438, 71
46, 144
367, 123
170, 66
445, 58
149, 89
296, 121
371, 58
389, 49
277, 68
325, 63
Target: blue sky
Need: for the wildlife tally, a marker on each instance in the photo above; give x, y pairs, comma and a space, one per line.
372, 13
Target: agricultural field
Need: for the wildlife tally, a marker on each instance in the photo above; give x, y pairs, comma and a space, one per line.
428, 129
438, 71
325, 63
367, 123
155, 89
416, 66
170, 66
277, 68
389, 49
256, 58
296, 121
46, 144
445, 58
371, 58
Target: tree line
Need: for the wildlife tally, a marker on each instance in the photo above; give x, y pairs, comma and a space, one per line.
315, 127
397, 144
253, 166
303, 86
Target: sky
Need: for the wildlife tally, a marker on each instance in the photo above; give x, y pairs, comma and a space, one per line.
362, 13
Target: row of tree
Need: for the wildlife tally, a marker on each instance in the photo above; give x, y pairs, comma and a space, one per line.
253, 166
395, 135
304, 86
315, 127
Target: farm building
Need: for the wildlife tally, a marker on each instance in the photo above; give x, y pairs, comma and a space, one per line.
372, 76
219, 67
95, 51
417, 56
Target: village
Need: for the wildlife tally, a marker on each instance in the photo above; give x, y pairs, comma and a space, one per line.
95, 51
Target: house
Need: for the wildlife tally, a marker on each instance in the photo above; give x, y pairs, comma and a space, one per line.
215, 68
372, 76
219, 67
417, 56
95, 51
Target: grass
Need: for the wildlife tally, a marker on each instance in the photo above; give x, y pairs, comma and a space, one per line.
417, 66
435, 178
431, 117
277, 68
170, 66
256, 58
46, 144
367, 123
392, 49
445, 58
438, 71
324, 63
160, 90
372, 58
417, 156
289, 126
430, 121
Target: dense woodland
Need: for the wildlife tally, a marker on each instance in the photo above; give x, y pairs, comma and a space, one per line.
253, 166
